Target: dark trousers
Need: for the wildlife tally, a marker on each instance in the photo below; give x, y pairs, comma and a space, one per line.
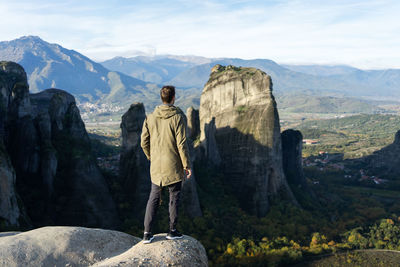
154, 202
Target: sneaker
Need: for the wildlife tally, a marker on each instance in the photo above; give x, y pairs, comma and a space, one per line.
147, 238
174, 235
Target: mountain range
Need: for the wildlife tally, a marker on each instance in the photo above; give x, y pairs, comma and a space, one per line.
109, 87
332, 80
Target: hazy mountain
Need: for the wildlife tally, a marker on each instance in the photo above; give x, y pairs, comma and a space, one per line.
284, 79
386, 82
312, 88
52, 66
155, 69
336, 80
150, 69
99, 90
302, 103
321, 70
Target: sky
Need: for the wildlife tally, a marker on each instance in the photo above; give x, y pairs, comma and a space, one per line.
363, 34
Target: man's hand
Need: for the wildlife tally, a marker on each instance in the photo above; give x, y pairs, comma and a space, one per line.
188, 173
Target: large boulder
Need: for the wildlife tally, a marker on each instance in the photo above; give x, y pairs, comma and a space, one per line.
62, 246
161, 252
240, 133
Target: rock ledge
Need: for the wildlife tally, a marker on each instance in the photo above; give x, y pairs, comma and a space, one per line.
79, 246
161, 252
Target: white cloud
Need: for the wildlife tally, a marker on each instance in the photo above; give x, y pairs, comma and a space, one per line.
361, 33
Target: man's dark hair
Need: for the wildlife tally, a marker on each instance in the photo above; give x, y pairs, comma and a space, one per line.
167, 93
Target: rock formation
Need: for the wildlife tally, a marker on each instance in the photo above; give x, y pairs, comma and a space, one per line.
193, 123
240, 132
14, 104
292, 145
190, 197
49, 149
9, 210
62, 246
135, 168
386, 161
79, 246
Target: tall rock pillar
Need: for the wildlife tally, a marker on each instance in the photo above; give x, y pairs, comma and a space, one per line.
240, 132
134, 166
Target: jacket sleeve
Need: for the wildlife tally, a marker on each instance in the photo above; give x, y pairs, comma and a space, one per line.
145, 139
181, 142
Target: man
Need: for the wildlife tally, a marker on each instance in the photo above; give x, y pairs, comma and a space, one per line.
164, 143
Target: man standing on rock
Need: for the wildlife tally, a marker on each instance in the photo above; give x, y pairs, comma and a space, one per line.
164, 143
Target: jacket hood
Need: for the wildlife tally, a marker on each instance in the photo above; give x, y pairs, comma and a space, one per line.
165, 111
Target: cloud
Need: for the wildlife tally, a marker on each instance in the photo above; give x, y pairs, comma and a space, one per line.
359, 33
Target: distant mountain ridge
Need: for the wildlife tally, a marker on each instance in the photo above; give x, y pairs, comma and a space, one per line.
327, 80
97, 89
322, 70
156, 69
108, 89
52, 66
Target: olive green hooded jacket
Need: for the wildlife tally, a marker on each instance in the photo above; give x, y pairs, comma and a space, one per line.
164, 143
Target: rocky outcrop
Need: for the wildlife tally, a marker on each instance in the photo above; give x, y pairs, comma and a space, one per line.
161, 252
79, 246
57, 177
190, 197
292, 145
386, 162
62, 246
240, 132
134, 166
14, 104
193, 123
9, 210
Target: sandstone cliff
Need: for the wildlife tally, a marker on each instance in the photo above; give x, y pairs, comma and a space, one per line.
240, 132
45, 138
